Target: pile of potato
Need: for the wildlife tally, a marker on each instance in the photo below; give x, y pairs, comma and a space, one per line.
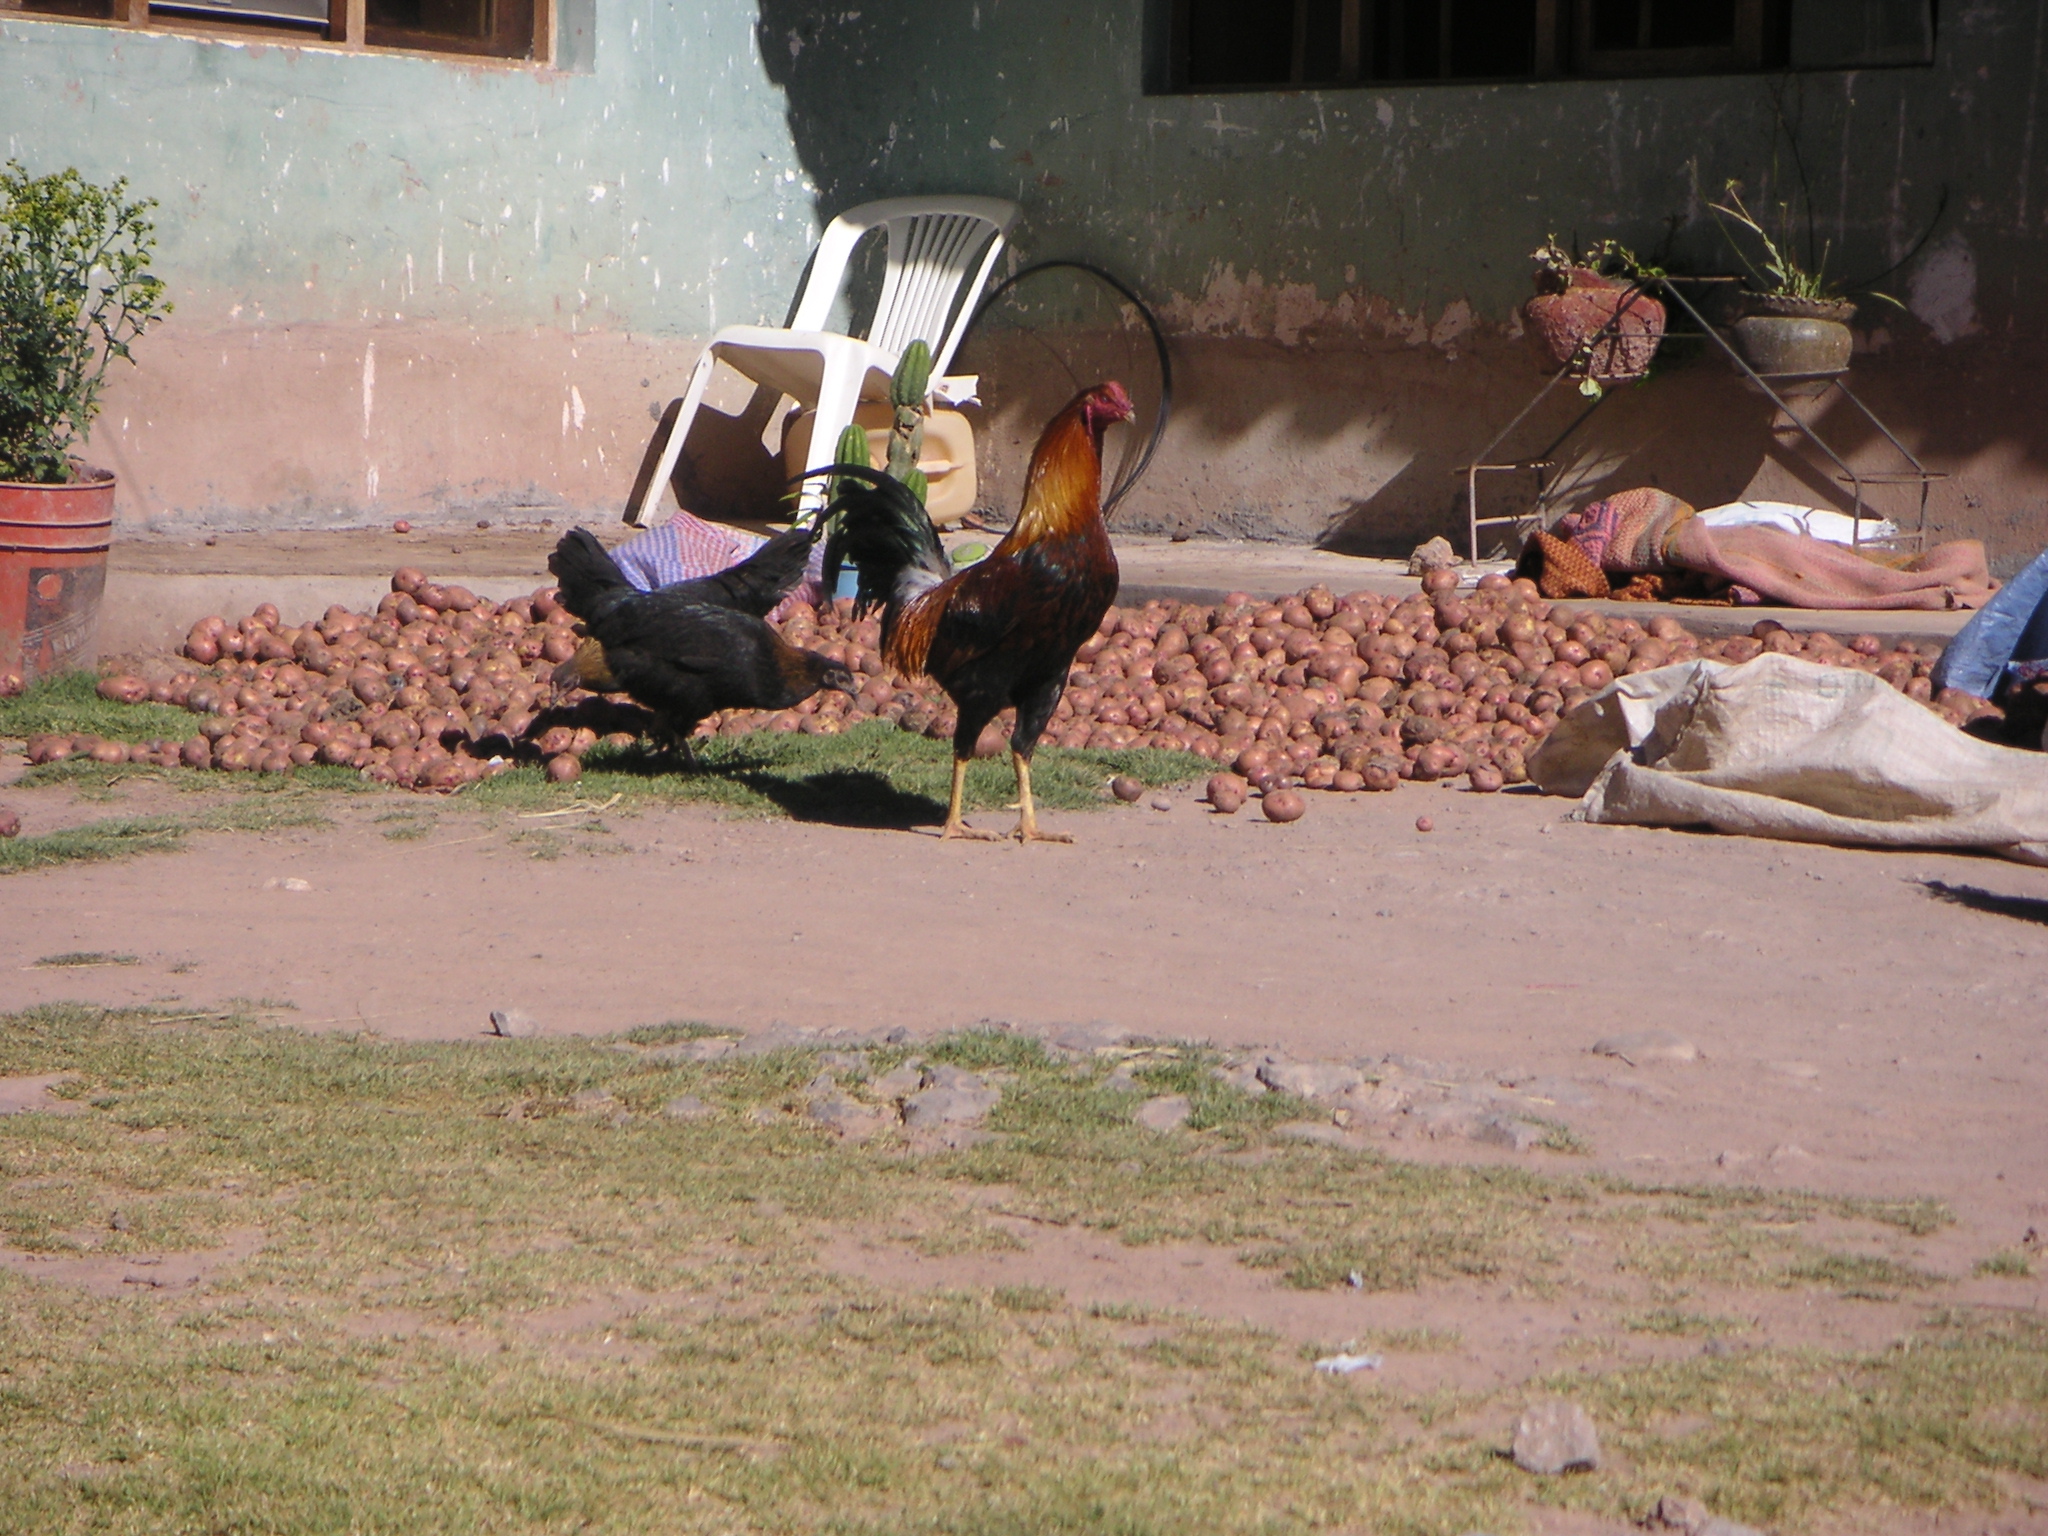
439, 688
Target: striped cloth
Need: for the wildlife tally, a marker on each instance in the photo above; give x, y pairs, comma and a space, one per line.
686, 547
682, 549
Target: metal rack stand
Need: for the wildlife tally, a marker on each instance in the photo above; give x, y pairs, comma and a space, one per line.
1768, 385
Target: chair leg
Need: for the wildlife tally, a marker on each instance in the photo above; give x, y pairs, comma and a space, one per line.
838, 396
670, 435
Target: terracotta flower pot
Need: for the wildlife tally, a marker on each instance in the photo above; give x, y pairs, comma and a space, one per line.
1560, 326
53, 568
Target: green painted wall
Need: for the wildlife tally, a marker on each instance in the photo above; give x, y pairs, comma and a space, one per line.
657, 190
1421, 195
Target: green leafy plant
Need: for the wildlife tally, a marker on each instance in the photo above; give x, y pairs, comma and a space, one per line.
1776, 272
75, 290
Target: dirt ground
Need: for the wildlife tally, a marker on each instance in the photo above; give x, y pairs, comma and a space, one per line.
1866, 1022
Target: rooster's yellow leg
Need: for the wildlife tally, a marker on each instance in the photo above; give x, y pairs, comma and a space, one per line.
1027, 812
955, 826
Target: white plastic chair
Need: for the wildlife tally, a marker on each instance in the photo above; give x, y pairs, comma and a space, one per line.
934, 245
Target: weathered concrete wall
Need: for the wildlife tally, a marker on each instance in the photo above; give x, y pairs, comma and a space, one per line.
406, 286
1343, 268
1340, 269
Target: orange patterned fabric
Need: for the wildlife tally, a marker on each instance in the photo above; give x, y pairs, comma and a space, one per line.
1568, 571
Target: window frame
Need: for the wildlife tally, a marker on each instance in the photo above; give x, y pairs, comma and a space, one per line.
347, 29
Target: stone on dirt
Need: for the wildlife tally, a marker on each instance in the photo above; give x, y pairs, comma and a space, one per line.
848, 1117
10, 823
1647, 1045
514, 1025
687, 1106
1674, 1512
1321, 1081
894, 1087
954, 1098
1168, 1112
1433, 556
1555, 1436
703, 1048
1319, 1132
1505, 1131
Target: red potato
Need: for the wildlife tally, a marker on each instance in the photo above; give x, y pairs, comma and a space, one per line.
1282, 805
1226, 793
1310, 690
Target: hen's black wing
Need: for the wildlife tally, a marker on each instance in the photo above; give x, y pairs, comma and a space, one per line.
758, 582
591, 580
686, 660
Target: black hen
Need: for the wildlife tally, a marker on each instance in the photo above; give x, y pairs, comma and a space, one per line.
753, 586
673, 652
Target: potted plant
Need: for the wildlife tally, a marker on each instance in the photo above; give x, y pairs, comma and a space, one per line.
75, 290
1591, 315
1795, 323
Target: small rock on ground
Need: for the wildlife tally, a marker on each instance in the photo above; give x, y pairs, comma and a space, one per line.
1320, 1132
1555, 1436
848, 1117
514, 1025
1318, 1080
954, 1098
1168, 1112
1505, 1131
1647, 1045
687, 1107
703, 1048
894, 1087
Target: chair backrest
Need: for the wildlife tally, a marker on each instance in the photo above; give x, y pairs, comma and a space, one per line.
935, 243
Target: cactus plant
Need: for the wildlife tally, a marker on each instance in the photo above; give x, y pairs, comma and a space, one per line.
907, 393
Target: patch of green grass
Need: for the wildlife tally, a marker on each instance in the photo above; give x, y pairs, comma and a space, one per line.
469, 1318
1862, 1276
2007, 1264
1673, 1322
115, 838
69, 703
677, 1029
1028, 1298
1559, 1137
82, 959
871, 775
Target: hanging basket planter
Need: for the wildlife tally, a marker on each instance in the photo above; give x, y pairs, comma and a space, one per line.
1593, 326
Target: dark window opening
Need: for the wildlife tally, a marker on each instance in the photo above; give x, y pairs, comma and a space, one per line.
1224, 45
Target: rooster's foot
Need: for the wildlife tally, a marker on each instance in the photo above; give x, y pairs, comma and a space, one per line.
960, 829
1034, 835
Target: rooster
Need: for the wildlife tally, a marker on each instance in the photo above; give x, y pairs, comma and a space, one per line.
1004, 631
677, 653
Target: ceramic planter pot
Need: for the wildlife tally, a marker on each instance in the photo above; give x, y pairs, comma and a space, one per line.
1561, 326
53, 568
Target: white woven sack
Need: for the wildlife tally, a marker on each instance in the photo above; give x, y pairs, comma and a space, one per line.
1780, 747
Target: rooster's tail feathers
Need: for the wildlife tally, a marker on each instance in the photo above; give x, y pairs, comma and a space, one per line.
584, 570
879, 527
